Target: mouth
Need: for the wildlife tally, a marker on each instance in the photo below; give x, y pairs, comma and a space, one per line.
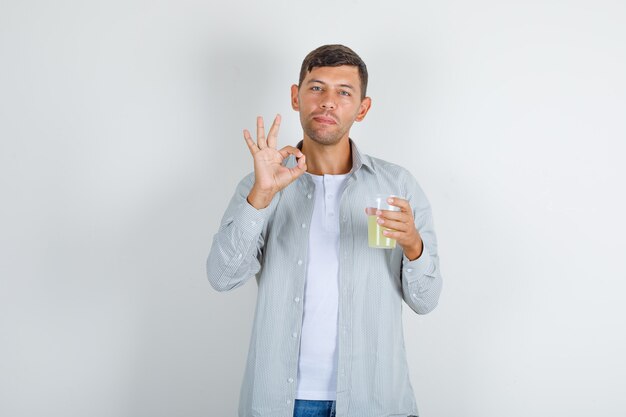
325, 120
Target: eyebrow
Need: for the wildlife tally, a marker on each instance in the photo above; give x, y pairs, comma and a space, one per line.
322, 82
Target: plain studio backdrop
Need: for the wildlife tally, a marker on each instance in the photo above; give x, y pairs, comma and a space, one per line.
121, 144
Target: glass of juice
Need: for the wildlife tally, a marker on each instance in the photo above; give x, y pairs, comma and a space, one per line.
375, 236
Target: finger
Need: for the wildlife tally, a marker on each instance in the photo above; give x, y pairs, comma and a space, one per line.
395, 215
398, 235
399, 202
251, 145
300, 168
290, 150
302, 163
260, 133
272, 136
392, 224
393, 234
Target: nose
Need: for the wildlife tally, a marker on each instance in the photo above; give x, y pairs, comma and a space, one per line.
327, 102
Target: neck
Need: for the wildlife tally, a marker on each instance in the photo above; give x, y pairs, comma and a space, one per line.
327, 159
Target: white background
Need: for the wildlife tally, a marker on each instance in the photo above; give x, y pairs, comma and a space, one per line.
120, 127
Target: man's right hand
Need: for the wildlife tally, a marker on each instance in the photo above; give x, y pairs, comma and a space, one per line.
270, 176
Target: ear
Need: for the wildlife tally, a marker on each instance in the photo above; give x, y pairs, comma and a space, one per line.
366, 103
294, 98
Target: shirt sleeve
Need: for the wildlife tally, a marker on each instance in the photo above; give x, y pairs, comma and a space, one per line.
421, 278
237, 248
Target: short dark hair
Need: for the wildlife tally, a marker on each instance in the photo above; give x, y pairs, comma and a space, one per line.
334, 56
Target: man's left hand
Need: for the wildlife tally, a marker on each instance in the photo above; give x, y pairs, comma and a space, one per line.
402, 225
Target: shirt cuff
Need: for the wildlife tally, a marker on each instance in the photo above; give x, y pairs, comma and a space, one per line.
414, 270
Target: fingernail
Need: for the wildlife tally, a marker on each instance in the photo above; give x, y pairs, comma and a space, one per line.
390, 200
378, 212
380, 221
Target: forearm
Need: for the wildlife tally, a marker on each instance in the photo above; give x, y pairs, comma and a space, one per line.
421, 282
234, 254
420, 274
421, 277
237, 246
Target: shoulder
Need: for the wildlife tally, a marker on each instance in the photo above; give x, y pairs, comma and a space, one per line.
386, 168
402, 177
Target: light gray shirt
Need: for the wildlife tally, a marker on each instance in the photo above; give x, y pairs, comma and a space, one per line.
272, 244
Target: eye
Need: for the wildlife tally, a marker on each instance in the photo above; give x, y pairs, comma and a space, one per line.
344, 93
316, 88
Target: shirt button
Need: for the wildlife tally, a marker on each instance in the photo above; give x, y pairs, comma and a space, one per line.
239, 256
309, 196
290, 380
414, 295
297, 299
294, 335
299, 261
409, 270
303, 225
288, 401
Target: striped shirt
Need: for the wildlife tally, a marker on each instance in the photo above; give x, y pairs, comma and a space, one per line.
272, 245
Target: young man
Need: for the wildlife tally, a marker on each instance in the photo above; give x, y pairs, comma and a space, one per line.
327, 337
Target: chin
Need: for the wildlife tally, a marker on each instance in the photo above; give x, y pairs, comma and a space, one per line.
324, 138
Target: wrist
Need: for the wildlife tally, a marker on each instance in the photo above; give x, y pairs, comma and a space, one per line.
260, 199
415, 251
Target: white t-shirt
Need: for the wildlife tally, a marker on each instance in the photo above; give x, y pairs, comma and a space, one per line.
317, 366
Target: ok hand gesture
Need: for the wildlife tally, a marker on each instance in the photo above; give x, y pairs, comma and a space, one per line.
269, 173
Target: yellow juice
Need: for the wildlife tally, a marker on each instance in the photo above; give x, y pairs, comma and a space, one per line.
375, 236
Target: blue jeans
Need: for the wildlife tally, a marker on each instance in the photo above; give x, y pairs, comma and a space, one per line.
311, 408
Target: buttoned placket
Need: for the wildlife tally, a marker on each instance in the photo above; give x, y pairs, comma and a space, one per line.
306, 186
345, 283
345, 303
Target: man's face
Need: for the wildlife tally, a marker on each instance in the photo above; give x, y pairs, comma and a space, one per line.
329, 101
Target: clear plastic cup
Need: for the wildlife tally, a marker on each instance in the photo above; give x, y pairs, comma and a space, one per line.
375, 236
